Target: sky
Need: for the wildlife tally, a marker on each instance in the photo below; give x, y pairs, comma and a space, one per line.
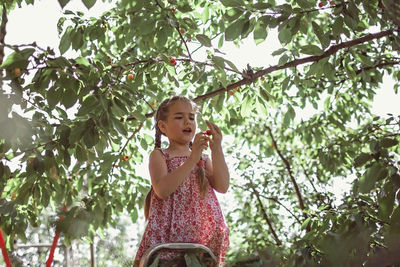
38, 23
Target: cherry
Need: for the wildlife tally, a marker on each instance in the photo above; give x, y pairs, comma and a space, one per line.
130, 76
321, 4
332, 3
212, 101
182, 31
208, 132
231, 92
17, 72
262, 78
173, 10
173, 61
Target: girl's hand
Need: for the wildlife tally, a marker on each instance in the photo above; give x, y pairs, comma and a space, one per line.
199, 144
215, 142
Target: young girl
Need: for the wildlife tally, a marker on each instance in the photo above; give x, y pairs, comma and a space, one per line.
182, 205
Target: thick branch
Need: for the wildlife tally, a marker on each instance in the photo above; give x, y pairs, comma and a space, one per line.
330, 51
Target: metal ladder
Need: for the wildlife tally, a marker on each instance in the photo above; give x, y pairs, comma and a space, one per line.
144, 262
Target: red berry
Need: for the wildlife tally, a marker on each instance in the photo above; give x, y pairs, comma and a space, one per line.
173, 61
208, 132
321, 4
173, 10
130, 76
200, 163
231, 92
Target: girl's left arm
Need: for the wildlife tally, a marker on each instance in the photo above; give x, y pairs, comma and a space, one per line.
216, 168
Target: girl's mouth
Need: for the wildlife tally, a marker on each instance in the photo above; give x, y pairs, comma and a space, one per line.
187, 130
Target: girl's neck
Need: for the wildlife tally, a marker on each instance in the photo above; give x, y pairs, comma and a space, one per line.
178, 149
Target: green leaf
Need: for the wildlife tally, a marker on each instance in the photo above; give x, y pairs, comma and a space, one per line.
305, 3
311, 50
388, 142
65, 41
386, 201
69, 97
232, 3
234, 30
279, 51
89, 3
63, 3
204, 40
370, 177
305, 223
191, 260
156, 261
246, 107
285, 35
18, 59
362, 159
83, 61
260, 33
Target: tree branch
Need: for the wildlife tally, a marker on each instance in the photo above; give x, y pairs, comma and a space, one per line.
3, 32
265, 215
289, 169
274, 199
330, 51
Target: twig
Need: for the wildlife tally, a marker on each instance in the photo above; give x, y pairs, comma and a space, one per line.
289, 169
274, 199
265, 215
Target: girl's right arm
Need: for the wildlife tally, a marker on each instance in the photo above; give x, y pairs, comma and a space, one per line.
164, 183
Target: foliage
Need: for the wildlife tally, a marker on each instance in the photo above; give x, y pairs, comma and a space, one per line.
82, 115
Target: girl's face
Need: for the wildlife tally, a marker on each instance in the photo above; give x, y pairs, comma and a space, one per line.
180, 125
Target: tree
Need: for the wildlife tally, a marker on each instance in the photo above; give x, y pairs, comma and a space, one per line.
82, 117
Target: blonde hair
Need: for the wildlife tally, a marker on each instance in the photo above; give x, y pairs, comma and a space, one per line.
162, 114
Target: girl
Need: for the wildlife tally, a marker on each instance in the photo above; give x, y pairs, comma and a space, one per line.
181, 205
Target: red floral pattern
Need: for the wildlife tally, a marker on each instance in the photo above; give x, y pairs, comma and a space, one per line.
186, 216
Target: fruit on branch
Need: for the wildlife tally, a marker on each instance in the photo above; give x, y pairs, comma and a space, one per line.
321, 4
173, 10
182, 30
172, 60
332, 3
17, 72
262, 78
125, 158
130, 76
231, 92
212, 101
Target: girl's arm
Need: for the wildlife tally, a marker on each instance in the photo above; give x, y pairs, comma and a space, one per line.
219, 176
164, 183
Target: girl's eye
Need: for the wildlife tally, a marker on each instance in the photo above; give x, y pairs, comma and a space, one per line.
178, 118
192, 119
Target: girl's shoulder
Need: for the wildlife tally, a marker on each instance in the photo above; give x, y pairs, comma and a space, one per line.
158, 153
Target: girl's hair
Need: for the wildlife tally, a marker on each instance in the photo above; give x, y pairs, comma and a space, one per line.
162, 114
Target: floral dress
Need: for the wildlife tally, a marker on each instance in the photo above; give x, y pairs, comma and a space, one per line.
186, 216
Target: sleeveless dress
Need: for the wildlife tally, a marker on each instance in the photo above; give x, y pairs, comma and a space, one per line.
186, 216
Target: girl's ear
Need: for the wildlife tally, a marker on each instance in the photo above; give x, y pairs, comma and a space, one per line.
162, 126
